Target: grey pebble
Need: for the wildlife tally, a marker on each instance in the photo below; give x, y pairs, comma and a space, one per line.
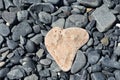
31, 77
90, 42
54, 67
15, 74
9, 17
51, 1
90, 3
117, 74
117, 51
30, 35
44, 32
22, 15
22, 29
109, 3
37, 39
45, 17
8, 3
59, 23
93, 56
76, 20
75, 77
1, 40
111, 78
45, 62
31, 1
3, 72
117, 8
94, 68
44, 73
39, 67
104, 18
30, 46
39, 53
36, 28
4, 30
12, 44
4, 55
98, 76
79, 62
1, 5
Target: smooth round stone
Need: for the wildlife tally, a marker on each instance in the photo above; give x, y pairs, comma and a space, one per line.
93, 56
45, 17
79, 62
45, 62
30, 46
76, 20
4, 30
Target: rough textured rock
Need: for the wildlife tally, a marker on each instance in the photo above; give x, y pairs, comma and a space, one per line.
63, 44
4, 30
104, 18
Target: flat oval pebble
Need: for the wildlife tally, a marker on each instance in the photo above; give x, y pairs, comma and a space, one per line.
63, 44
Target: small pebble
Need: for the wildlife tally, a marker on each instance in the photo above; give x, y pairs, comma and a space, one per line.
4, 30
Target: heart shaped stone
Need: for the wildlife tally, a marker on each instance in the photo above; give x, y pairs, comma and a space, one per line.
63, 44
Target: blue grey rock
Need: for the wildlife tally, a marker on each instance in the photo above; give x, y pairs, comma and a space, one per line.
22, 15
9, 17
54, 67
109, 3
79, 62
94, 68
117, 74
31, 1
98, 76
1, 5
1, 39
90, 42
22, 29
15, 74
36, 28
37, 39
76, 20
59, 23
75, 77
51, 1
90, 3
45, 62
31, 77
39, 67
8, 3
30, 46
117, 51
3, 72
111, 78
11, 44
39, 53
45, 17
104, 18
93, 56
44, 73
44, 32
4, 30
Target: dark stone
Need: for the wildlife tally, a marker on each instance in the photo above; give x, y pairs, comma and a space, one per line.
98, 35
22, 15
1, 5
36, 28
79, 62
37, 39
45, 62
75, 77
8, 3
11, 44
90, 3
104, 18
90, 25
44, 73
22, 29
3, 72
76, 20
9, 17
4, 30
98, 76
22, 40
31, 77
52, 1
93, 56
64, 76
45, 17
